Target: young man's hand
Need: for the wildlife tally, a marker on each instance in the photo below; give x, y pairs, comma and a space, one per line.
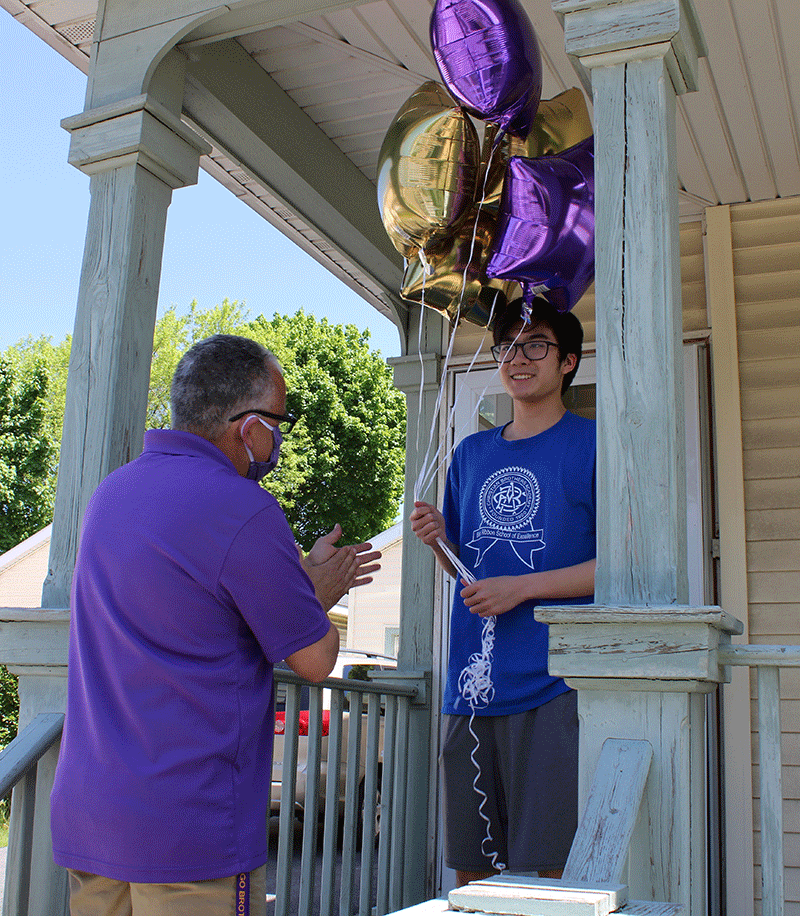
498, 594
493, 596
427, 522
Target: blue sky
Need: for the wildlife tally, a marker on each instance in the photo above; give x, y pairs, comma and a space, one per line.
215, 245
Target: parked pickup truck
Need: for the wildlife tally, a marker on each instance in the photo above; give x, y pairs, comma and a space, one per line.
346, 662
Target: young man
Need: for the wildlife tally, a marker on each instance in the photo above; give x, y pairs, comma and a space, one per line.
188, 588
519, 513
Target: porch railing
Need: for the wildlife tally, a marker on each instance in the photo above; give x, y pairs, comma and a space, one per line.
19, 765
356, 847
360, 805
768, 660
354, 865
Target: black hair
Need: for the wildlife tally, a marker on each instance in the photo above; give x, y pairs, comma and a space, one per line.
565, 326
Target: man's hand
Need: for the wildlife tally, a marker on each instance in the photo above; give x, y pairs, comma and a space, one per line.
493, 596
335, 570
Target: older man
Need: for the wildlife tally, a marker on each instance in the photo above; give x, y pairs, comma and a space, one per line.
188, 588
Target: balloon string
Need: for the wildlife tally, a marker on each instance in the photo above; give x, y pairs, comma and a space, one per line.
475, 681
432, 471
431, 466
475, 685
434, 415
421, 368
427, 471
491, 854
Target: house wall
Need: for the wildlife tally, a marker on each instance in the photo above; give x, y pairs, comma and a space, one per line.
374, 607
23, 570
766, 257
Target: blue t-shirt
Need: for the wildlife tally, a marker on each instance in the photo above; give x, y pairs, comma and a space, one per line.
516, 507
187, 589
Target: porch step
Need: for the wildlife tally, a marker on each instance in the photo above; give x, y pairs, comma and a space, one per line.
426, 908
519, 895
646, 908
440, 905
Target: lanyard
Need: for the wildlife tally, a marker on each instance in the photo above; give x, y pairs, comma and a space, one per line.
243, 894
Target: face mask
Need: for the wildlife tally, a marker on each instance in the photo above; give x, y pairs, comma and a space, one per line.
259, 469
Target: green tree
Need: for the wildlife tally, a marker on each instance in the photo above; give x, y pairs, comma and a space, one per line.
9, 716
26, 453
9, 707
24, 358
344, 460
26, 497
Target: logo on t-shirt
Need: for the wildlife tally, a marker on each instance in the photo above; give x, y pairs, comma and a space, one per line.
509, 501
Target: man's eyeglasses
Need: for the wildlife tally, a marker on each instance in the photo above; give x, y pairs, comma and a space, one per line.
285, 421
531, 349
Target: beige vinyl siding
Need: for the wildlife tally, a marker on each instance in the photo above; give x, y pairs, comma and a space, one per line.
375, 606
766, 249
23, 570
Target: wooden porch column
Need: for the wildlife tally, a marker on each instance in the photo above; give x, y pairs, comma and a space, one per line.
640, 659
419, 607
640, 54
136, 152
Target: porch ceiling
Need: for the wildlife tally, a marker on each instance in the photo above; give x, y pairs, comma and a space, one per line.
348, 66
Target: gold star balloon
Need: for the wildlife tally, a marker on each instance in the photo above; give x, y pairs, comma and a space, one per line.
560, 123
451, 276
427, 170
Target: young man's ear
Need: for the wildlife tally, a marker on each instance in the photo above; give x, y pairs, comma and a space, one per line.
569, 362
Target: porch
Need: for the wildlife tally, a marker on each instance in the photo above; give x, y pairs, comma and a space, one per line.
364, 869
163, 80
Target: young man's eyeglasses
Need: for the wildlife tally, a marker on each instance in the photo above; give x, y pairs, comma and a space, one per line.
285, 421
531, 349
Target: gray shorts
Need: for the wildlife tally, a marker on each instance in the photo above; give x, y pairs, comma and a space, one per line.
529, 772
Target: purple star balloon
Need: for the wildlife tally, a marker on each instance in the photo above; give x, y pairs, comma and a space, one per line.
545, 225
489, 59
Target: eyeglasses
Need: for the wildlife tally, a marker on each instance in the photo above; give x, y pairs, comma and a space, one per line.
285, 421
531, 349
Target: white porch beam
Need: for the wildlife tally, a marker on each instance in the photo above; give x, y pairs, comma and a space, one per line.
131, 38
214, 20
235, 102
639, 54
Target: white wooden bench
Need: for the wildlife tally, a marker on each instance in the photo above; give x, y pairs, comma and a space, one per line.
592, 881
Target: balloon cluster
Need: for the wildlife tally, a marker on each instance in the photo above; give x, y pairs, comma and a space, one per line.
477, 221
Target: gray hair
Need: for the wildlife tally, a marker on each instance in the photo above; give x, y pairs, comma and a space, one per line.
216, 378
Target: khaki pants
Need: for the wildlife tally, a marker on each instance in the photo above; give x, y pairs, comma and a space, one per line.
91, 895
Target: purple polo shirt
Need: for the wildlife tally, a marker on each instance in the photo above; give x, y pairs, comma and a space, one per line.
187, 589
